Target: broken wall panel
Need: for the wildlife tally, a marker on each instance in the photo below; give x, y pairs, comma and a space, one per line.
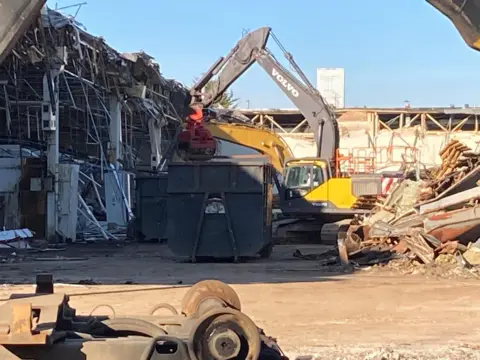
10, 173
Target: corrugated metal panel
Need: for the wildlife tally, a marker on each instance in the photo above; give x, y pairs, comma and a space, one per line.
366, 184
7, 235
331, 84
10, 173
68, 175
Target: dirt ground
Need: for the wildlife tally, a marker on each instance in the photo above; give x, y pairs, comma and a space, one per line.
311, 310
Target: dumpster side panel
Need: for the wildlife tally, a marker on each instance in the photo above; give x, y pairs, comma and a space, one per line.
207, 200
151, 206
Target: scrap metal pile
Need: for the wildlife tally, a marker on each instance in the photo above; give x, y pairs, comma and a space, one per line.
210, 326
421, 219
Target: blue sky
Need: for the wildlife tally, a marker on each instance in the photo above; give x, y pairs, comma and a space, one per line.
391, 50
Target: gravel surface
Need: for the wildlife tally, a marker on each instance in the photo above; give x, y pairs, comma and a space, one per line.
398, 311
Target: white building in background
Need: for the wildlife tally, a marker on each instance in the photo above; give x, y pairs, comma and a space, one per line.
331, 84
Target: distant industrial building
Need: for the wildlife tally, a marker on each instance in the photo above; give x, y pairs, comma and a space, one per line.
331, 84
422, 132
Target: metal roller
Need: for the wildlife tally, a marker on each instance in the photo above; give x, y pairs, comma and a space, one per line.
209, 293
223, 334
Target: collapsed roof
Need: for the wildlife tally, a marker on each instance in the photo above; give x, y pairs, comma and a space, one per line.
93, 72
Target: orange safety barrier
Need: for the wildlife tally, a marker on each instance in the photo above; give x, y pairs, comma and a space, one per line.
364, 160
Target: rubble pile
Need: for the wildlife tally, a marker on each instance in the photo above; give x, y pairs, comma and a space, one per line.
425, 218
457, 161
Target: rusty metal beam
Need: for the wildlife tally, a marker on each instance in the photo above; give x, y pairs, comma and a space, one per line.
449, 201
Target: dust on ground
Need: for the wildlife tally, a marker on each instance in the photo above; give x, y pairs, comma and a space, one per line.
312, 309
446, 266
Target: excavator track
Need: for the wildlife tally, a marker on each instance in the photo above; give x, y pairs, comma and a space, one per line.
311, 231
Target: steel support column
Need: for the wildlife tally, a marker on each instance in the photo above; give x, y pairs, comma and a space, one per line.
115, 131
116, 182
155, 133
50, 119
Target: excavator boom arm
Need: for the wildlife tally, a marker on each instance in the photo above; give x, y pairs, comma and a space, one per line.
232, 66
311, 104
262, 140
252, 48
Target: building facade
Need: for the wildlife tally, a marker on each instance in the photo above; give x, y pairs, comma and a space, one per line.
331, 84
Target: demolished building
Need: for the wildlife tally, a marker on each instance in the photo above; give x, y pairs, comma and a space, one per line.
74, 120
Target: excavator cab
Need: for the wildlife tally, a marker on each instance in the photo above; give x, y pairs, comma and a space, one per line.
310, 188
302, 176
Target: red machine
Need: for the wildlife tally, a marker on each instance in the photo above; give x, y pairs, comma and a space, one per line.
195, 139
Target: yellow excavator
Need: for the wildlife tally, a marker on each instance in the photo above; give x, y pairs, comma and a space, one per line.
312, 191
297, 222
310, 187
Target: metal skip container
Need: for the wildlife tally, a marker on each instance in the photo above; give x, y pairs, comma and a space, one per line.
150, 208
220, 208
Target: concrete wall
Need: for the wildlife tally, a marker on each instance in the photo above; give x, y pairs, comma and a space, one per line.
427, 145
359, 143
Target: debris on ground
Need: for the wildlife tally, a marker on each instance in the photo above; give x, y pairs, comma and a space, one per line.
426, 217
15, 238
61, 258
446, 266
14, 235
88, 282
472, 256
17, 246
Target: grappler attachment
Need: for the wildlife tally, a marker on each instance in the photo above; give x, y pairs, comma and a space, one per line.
195, 142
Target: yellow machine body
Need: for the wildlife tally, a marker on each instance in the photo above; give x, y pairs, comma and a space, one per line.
324, 193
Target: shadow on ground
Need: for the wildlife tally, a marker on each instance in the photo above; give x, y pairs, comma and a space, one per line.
154, 264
